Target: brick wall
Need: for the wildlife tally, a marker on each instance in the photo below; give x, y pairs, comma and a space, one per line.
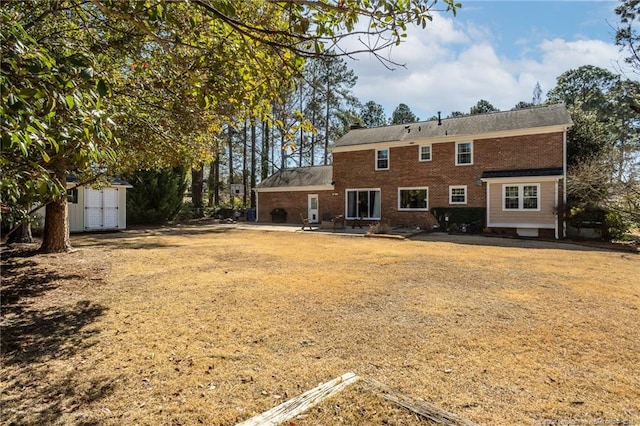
296, 203
356, 169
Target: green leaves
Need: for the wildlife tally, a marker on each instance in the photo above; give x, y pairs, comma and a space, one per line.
52, 122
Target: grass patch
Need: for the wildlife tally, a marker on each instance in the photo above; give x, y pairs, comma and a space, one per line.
212, 326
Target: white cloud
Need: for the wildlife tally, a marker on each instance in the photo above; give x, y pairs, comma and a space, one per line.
451, 67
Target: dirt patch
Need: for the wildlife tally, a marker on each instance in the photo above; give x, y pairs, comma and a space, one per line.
212, 325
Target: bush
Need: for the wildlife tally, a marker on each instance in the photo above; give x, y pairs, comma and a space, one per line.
473, 218
156, 196
615, 227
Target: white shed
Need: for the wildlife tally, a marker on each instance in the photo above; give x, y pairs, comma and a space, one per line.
96, 209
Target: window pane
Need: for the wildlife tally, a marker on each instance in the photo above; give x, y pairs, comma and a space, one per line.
413, 198
464, 153
458, 195
511, 197
382, 160
530, 200
425, 153
352, 203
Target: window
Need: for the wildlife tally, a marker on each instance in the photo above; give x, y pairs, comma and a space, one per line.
363, 203
425, 153
464, 153
72, 196
521, 197
458, 194
382, 159
413, 199
511, 198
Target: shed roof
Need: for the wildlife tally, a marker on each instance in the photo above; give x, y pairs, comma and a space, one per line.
529, 118
112, 181
299, 177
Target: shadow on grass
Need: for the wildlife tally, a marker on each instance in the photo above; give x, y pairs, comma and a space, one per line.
525, 243
35, 334
143, 238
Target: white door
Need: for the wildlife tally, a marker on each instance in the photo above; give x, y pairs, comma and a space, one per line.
101, 208
110, 208
312, 212
92, 208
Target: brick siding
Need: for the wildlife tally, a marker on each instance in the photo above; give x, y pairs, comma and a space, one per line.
356, 169
296, 203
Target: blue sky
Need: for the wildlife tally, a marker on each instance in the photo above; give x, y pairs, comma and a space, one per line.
494, 50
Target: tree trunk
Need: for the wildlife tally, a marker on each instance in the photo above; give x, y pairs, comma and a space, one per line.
264, 155
197, 186
216, 180
326, 124
56, 227
56, 220
253, 162
244, 163
22, 233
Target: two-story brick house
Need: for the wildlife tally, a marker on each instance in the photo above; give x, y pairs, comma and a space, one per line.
511, 164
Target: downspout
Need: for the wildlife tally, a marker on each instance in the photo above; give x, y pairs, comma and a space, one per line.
564, 182
488, 204
558, 210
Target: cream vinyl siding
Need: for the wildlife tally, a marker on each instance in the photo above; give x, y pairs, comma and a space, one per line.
545, 218
76, 213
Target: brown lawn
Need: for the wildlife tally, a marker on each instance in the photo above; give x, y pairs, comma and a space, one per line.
213, 325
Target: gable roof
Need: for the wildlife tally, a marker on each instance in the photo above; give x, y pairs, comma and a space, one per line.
471, 125
319, 177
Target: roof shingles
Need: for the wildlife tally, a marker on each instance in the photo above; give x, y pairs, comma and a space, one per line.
470, 125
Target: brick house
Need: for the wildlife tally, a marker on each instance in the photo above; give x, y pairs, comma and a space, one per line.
509, 166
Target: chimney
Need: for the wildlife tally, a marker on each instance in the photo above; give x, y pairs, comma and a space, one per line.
355, 126
439, 119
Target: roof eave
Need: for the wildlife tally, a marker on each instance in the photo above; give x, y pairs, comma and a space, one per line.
453, 138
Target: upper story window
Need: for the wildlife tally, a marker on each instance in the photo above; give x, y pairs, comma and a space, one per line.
458, 194
413, 199
382, 159
521, 197
425, 153
464, 153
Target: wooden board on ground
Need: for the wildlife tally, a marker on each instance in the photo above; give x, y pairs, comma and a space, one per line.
369, 401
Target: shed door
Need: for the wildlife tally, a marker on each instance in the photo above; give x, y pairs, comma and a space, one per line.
110, 208
101, 208
92, 208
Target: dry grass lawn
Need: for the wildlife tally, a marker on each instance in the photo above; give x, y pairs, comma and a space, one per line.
213, 325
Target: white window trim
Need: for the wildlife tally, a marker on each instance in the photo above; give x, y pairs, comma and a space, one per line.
406, 209
456, 153
388, 158
346, 202
466, 194
420, 152
520, 197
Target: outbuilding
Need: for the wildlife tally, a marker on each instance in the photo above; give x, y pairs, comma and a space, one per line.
95, 209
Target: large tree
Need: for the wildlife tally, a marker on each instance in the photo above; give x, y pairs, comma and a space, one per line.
603, 145
482, 107
166, 73
402, 115
372, 115
593, 97
627, 34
